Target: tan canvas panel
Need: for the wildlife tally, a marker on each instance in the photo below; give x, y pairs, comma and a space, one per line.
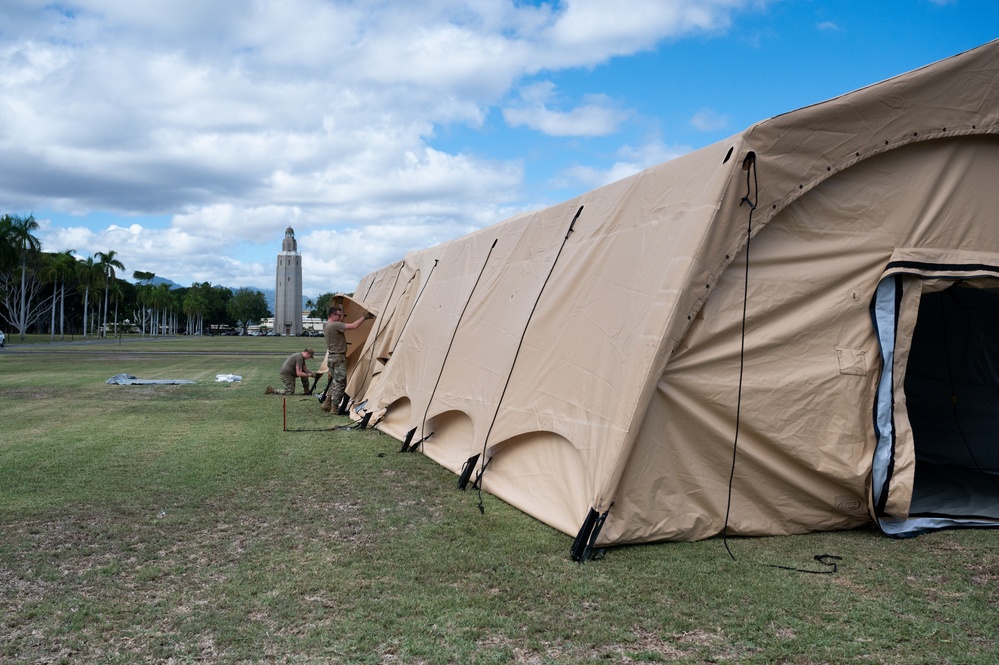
588, 357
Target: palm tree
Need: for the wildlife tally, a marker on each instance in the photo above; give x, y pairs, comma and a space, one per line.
86, 273
16, 235
144, 295
162, 302
106, 263
50, 272
116, 295
146, 302
58, 267
194, 306
68, 267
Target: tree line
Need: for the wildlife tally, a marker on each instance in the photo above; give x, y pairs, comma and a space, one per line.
61, 293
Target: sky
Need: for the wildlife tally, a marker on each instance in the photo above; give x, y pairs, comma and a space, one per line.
187, 135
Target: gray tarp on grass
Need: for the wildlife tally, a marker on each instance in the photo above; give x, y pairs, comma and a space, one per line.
129, 380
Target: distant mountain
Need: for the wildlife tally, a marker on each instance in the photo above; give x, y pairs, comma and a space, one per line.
270, 295
160, 280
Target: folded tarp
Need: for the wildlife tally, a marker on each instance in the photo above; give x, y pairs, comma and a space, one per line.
129, 380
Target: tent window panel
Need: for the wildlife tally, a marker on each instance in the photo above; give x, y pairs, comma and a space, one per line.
952, 393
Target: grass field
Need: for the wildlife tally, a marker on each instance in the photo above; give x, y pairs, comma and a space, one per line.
181, 523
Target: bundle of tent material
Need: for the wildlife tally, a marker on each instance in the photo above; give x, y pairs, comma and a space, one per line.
792, 330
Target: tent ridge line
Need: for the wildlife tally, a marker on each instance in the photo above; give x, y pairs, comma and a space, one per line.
734, 183
856, 155
805, 185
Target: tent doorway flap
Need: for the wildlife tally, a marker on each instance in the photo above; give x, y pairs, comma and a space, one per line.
937, 414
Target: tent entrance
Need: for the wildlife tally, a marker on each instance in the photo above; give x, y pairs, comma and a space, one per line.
941, 440
952, 395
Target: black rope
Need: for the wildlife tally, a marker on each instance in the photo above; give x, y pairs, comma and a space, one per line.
752, 185
454, 333
828, 560
368, 291
374, 340
401, 333
516, 354
749, 164
413, 308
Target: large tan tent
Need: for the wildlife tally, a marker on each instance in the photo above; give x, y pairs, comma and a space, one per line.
795, 329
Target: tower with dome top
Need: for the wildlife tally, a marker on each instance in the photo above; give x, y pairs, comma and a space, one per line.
288, 287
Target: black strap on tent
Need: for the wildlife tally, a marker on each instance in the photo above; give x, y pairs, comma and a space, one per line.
418, 443
516, 354
466, 471
752, 188
582, 547
315, 380
361, 424
583, 535
406, 442
322, 396
454, 333
409, 445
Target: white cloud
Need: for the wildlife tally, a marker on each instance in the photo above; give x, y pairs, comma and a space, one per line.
629, 162
830, 26
234, 120
708, 120
593, 30
597, 116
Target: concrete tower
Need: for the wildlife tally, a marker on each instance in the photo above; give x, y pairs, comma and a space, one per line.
288, 288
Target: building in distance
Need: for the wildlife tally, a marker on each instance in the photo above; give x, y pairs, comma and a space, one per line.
288, 288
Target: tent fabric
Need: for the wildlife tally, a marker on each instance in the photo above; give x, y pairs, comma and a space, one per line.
352, 311
615, 354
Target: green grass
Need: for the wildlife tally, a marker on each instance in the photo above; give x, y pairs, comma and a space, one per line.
183, 524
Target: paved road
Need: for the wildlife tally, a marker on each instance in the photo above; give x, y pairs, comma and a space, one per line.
114, 346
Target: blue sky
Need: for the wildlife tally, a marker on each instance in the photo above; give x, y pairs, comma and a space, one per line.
187, 135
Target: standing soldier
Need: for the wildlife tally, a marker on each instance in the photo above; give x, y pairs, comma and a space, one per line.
336, 346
